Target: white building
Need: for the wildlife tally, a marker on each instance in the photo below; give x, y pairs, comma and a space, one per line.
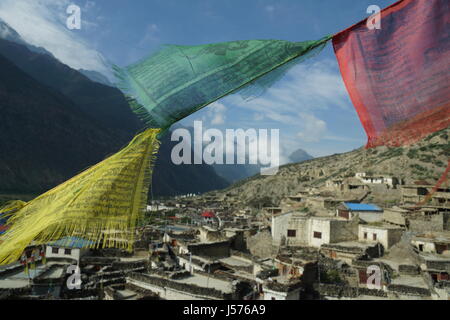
435, 242
72, 248
300, 229
387, 180
279, 225
366, 212
277, 291
386, 235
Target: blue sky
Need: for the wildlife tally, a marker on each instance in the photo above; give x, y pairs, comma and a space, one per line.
310, 105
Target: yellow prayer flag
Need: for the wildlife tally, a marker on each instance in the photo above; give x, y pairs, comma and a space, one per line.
101, 204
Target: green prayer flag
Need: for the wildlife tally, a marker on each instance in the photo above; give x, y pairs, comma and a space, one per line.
179, 80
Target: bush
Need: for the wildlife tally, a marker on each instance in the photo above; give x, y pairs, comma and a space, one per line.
412, 154
439, 163
330, 276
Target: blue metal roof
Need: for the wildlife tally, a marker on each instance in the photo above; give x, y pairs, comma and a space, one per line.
72, 242
362, 207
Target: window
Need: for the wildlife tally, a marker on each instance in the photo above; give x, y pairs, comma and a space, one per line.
55, 250
67, 252
422, 191
420, 247
365, 235
291, 233
344, 214
317, 235
374, 236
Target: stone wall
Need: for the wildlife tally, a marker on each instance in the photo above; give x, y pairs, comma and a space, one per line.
79, 294
104, 279
372, 292
446, 221
127, 265
14, 293
247, 269
336, 290
394, 217
98, 260
408, 290
427, 223
343, 230
442, 265
345, 291
281, 287
111, 252
260, 245
408, 269
111, 292
212, 250
182, 287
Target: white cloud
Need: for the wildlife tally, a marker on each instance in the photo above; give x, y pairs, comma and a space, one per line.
302, 106
215, 114
258, 117
89, 5
306, 89
151, 35
43, 24
313, 129
269, 8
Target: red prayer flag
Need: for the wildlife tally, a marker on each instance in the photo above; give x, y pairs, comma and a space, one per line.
398, 77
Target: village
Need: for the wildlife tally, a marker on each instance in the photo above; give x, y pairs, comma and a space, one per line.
337, 241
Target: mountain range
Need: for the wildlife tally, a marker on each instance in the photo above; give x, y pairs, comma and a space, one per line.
56, 122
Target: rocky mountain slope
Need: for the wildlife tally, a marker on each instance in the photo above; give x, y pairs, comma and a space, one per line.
44, 137
55, 122
424, 160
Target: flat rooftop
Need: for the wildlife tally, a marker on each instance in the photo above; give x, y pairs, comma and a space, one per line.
236, 261
434, 236
412, 281
350, 244
382, 226
207, 282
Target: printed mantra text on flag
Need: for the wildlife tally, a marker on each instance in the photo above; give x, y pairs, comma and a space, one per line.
398, 77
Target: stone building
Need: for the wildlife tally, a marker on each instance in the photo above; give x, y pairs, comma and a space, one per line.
422, 191
366, 212
396, 215
302, 229
385, 234
282, 291
438, 243
387, 180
